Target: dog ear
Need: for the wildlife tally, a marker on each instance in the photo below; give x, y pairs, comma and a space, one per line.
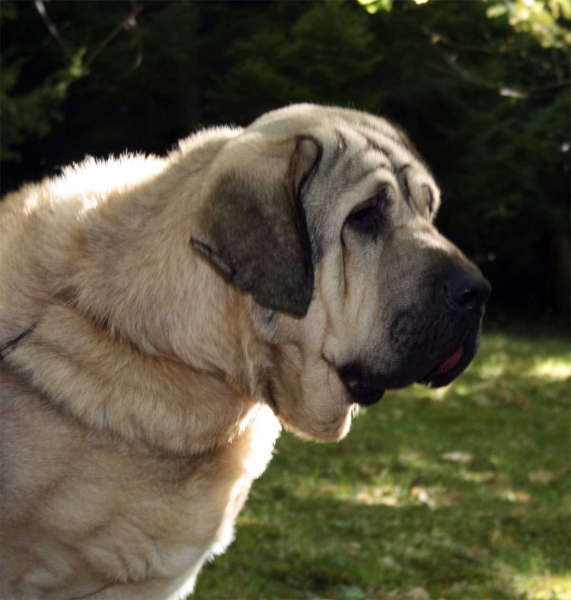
251, 224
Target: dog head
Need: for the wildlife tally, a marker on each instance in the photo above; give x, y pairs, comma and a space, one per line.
325, 216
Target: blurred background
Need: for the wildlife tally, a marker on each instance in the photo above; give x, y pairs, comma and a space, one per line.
458, 493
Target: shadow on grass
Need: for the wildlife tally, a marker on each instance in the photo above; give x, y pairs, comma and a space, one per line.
324, 548
463, 492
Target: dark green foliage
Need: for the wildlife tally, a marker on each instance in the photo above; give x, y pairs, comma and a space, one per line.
488, 107
323, 55
24, 112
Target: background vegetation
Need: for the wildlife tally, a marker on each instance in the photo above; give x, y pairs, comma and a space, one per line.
481, 86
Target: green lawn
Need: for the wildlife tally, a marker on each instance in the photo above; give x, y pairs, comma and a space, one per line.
457, 493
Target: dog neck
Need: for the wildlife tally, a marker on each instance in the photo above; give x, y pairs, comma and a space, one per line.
154, 346
110, 386
139, 274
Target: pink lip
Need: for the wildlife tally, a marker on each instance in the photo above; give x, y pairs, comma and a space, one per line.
450, 362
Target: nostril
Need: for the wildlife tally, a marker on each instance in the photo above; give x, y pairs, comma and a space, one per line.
466, 299
468, 292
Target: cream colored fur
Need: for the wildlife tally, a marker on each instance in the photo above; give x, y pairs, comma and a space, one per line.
150, 393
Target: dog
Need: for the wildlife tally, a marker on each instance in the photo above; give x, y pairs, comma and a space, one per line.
162, 318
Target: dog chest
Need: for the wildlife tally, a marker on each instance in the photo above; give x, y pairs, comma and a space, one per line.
111, 516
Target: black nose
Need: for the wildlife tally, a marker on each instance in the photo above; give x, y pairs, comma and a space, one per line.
467, 290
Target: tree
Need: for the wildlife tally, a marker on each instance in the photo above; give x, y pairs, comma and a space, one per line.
30, 110
322, 52
546, 20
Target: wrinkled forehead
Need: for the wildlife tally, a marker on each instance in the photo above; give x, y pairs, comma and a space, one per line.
300, 119
354, 144
361, 153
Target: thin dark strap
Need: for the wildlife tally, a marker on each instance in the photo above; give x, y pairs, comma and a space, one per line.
11, 344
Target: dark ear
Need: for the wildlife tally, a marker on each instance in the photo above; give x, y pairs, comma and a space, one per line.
251, 224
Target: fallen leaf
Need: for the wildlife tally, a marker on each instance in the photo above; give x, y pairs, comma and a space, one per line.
330, 488
475, 552
499, 538
353, 593
388, 561
386, 496
366, 470
518, 512
388, 500
417, 593
522, 496
459, 586
365, 497
517, 496
452, 499
541, 476
422, 496
481, 401
459, 457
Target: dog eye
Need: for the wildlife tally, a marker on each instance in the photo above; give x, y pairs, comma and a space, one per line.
367, 216
363, 219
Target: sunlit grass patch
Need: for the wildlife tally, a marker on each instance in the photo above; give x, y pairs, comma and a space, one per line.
457, 493
543, 587
555, 370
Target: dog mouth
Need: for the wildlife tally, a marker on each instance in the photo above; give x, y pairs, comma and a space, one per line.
454, 364
366, 389
449, 364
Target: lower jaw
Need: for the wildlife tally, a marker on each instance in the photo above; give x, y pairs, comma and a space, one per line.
467, 347
435, 380
366, 399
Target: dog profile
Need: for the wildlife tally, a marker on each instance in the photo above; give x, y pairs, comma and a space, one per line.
163, 318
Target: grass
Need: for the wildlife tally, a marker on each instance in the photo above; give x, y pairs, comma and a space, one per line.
458, 493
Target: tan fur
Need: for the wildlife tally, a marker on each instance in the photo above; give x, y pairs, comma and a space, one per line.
138, 411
